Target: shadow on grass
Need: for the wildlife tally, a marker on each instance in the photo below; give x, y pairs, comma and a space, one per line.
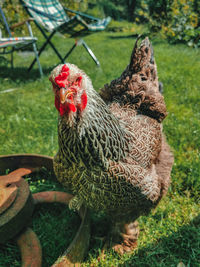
181, 246
48, 232
124, 36
154, 39
143, 35
21, 74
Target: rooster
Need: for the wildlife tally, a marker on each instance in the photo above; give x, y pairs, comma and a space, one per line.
112, 153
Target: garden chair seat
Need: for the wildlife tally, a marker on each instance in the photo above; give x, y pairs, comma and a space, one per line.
16, 42
8, 45
50, 16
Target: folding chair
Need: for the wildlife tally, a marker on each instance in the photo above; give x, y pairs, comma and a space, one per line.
50, 15
11, 44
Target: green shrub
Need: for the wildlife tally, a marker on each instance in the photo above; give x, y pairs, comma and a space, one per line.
178, 20
159, 13
13, 11
184, 24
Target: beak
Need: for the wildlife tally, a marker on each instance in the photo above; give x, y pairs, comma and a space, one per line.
64, 93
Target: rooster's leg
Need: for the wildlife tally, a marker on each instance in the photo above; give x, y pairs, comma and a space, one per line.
123, 237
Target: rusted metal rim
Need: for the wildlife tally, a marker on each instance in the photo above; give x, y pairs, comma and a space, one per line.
76, 251
15, 161
18, 214
30, 248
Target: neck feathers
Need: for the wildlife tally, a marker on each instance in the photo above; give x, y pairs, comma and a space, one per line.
96, 134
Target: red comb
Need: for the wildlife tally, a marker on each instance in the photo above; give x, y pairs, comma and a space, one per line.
61, 79
65, 69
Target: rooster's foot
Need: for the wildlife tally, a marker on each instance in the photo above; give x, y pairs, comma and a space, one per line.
127, 246
124, 238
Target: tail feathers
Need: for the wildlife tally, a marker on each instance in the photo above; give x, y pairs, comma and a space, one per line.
138, 85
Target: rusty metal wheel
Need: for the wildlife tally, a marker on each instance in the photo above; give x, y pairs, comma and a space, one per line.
17, 204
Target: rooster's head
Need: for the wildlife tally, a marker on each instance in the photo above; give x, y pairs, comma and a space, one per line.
69, 86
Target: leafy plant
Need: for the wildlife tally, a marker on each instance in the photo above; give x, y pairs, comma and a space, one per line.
178, 20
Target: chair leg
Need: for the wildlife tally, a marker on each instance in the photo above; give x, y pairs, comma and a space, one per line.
43, 47
11, 60
70, 51
37, 58
90, 53
48, 41
39, 52
35, 49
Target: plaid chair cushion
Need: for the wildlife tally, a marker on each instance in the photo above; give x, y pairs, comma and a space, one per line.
53, 8
51, 15
99, 25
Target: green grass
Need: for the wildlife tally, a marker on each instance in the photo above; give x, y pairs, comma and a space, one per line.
28, 124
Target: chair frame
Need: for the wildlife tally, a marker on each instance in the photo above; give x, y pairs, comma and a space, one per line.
10, 49
52, 33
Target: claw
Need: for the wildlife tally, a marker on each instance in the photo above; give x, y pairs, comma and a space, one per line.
122, 241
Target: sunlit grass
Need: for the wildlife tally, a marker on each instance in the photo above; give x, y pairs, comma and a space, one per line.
28, 124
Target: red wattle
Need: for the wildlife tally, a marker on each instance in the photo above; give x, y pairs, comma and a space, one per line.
62, 108
72, 107
83, 101
57, 103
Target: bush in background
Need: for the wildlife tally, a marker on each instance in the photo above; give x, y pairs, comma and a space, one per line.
13, 12
184, 24
176, 20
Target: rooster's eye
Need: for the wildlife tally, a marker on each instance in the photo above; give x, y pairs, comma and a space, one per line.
78, 80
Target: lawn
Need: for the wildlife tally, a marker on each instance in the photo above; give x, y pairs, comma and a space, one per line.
28, 124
